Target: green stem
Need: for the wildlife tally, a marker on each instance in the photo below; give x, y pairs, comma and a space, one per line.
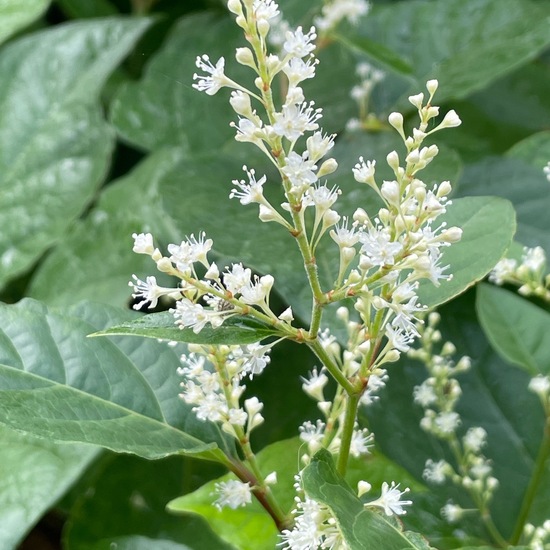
534, 483
493, 531
347, 431
336, 373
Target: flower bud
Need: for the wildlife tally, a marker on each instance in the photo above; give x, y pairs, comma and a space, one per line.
451, 120
263, 27
234, 6
245, 57
432, 86
393, 160
451, 235
391, 192
328, 167
417, 100
444, 189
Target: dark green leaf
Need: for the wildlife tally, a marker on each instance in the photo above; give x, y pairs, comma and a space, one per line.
517, 329
235, 330
134, 516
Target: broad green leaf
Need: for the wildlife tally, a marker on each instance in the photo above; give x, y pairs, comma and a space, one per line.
465, 45
488, 225
533, 150
15, 15
494, 396
249, 527
134, 516
163, 109
102, 243
376, 51
361, 527
57, 384
516, 328
519, 99
235, 330
56, 145
36, 473
521, 183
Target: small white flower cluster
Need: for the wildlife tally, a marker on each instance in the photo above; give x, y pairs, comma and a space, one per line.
335, 11
529, 274
537, 538
546, 171
361, 93
213, 384
316, 528
438, 396
224, 294
232, 494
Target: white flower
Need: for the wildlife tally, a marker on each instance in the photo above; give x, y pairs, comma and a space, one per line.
143, 243
251, 192
363, 172
257, 292
254, 359
337, 10
447, 422
217, 79
298, 44
237, 278
425, 394
190, 251
312, 434
534, 259
436, 472
361, 440
398, 339
343, 236
315, 384
150, 291
475, 439
540, 385
300, 171
390, 500
379, 247
504, 269
546, 170
233, 494
190, 315
294, 120
265, 10
452, 512
297, 70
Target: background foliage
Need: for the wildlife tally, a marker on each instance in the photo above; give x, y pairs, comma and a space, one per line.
102, 135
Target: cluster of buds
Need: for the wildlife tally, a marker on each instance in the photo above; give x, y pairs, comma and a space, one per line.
529, 274
438, 396
335, 11
537, 538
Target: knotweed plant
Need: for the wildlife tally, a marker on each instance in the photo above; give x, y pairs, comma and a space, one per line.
381, 256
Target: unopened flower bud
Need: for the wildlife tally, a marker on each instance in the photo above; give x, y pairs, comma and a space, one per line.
393, 160
328, 167
431, 86
241, 103
444, 189
342, 313
391, 192
451, 120
360, 216
244, 56
286, 315
396, 120
213, 272
451, 235
363, 487
417, 100
263, 27
234, 6
164, 265
330, 218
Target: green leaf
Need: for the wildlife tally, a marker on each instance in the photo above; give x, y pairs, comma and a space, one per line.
533, 150
376, 51
134, 516
362, 528
517, 329
465, 45
16, 15
521, 183
102, 243
163, 109
36, 474
248, 528
235, 330
60, 385
56, 144
488, 225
